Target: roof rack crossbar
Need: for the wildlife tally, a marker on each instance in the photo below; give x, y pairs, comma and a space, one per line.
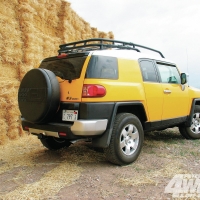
100, 44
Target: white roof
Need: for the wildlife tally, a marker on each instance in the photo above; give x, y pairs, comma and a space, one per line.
129, 54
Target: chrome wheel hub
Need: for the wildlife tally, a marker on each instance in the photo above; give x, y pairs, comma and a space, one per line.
195, 126
129, 139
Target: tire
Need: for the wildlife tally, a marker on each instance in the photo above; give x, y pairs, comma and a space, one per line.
53, 143
128, 131
39, 95
192, 132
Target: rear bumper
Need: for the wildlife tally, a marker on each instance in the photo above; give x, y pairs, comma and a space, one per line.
89, 127
77, 129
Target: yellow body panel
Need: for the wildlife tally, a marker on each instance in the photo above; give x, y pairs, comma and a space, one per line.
127, 87
154, 100
130, 87
72, 92
176, 103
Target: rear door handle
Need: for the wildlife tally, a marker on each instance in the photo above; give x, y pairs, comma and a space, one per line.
167, 91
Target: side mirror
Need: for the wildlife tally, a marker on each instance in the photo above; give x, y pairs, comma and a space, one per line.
183, 78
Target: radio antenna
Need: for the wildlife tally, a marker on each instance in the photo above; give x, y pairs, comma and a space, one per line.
187, 66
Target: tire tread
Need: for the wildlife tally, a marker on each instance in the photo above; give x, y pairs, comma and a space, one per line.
110, 152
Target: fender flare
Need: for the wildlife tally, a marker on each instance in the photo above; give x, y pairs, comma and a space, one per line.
104, 140
189, 119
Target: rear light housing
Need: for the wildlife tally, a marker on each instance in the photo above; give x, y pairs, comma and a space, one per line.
91, 90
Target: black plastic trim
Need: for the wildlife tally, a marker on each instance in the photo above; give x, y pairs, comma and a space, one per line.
54, 127
189, 119
150, 126
64, 106
96, 110
86, 111
103, 141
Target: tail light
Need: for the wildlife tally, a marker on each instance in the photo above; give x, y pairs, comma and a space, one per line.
93, 91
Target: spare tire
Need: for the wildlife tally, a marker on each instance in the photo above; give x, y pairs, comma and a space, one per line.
39, 95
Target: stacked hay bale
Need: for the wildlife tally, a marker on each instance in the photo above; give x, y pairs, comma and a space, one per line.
30, 31
10, 60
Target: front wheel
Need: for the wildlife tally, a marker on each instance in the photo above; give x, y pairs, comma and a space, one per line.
53, 143
192, 132
126, 140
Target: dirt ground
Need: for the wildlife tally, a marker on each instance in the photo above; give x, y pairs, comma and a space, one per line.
30, 171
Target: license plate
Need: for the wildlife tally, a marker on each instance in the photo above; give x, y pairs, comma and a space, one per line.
70, 115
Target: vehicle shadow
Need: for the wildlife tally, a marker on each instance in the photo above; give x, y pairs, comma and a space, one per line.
167, 135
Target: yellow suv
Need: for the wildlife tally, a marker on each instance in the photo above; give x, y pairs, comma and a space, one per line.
109, 92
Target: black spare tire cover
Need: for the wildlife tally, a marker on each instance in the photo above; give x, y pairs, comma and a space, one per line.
39, 95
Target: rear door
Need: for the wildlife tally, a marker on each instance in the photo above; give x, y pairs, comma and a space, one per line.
70, 70
153, 90
176, 99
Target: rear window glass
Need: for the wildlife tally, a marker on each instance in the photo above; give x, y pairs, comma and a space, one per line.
67, 68
104, 67
148, 71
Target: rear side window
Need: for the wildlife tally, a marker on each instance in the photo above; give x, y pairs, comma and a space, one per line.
148, 71
104, 67
67, 68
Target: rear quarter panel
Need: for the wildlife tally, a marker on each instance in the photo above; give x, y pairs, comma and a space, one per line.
128, 87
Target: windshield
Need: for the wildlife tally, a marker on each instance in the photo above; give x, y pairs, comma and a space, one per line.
67, 68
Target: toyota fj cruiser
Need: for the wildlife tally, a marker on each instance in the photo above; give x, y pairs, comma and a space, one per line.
109, 92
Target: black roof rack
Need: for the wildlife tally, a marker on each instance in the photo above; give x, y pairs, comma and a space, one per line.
100, 44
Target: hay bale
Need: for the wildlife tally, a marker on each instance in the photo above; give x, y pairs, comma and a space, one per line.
23, 69
8, 8
9, 70
4, 128
11, 43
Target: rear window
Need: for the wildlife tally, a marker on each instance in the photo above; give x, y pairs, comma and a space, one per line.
67, 68
148, 71
102, 67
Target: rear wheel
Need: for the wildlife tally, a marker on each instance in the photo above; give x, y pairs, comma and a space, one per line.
126, 140
53, 143
192, 132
